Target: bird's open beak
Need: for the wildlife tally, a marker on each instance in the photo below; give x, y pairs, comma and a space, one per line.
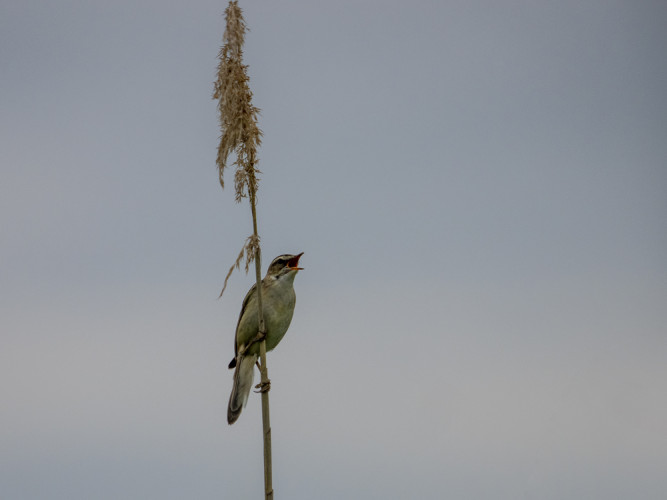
294, 262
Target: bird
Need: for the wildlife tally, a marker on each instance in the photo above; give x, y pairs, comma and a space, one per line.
278, 301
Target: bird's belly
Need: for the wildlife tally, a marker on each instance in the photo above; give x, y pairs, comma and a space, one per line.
277, 320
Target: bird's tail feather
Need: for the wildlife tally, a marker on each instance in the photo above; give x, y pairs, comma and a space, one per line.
243, 377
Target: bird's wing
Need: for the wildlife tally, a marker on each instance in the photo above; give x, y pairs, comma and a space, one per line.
245, 303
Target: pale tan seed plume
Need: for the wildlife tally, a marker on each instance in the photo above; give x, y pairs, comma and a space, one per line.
238, 116
239, 132
249, 249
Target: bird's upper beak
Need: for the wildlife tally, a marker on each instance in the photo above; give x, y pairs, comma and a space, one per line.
293, 263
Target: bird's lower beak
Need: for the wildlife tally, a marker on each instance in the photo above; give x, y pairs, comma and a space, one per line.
294, 262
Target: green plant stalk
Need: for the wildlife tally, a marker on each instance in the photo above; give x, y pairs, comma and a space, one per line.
266, 426
240, 134
266, 418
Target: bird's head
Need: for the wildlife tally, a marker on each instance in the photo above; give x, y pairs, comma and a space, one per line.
284, 264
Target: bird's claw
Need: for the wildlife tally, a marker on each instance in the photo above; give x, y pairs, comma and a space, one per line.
263, 386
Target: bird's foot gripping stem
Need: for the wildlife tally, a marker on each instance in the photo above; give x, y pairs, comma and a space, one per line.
263, 386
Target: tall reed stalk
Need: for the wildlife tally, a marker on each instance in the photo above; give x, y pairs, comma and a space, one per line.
241, 135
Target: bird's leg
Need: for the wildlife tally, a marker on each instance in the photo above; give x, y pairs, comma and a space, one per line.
262, 386
259, 337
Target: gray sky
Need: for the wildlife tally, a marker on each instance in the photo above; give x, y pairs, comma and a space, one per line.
479, 190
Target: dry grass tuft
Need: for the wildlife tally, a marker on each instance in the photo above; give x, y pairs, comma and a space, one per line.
238, 116
238, 123
249, 249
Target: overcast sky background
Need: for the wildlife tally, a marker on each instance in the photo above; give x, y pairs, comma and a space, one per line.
479, 188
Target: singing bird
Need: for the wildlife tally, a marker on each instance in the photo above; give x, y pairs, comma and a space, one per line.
278, 300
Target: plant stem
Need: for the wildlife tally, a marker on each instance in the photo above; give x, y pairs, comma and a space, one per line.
266, 424
266, 419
